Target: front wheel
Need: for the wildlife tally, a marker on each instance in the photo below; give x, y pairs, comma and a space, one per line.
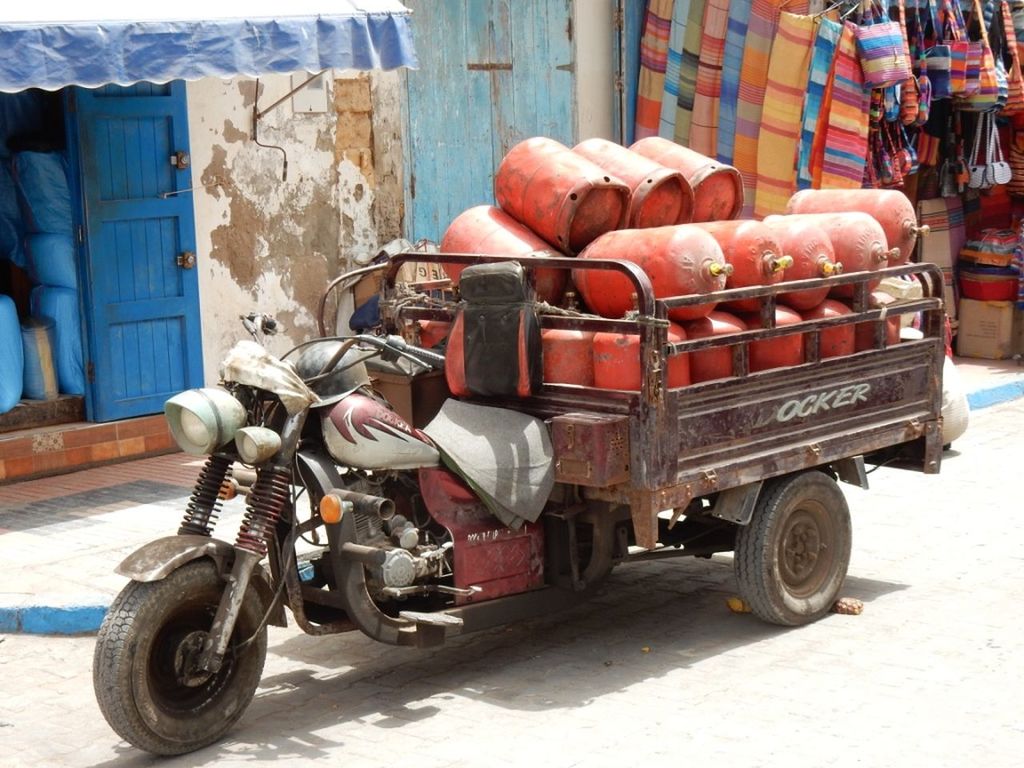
791, 559
144, 667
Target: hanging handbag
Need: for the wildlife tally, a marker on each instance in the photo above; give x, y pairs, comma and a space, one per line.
990, 93
881, 49
909, 91
921, 84
965, 57
1014, 76
993, 169
937, 63
1016, 184
891, 102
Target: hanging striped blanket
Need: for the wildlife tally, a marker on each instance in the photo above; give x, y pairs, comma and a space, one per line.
825, 43
670, 95
732, 63
783, 106
688, 72
843, 123
653, 57
704, 131
764, 16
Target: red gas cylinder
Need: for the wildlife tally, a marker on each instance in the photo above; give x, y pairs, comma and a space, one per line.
813, 257
489, 230
857, 240
660, 196
562, 196
890, 207
433, 332
680, 260
833, 342
780, 352
568, 356
708, 364
865, 332
617, 361
717, 188
754, 253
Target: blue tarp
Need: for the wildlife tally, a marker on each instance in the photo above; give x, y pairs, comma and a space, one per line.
44, 50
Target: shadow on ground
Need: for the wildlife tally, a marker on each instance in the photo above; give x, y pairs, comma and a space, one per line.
647, 620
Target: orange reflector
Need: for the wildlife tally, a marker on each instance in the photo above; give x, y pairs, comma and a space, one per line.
331, 509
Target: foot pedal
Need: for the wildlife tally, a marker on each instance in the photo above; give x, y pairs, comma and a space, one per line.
432, 628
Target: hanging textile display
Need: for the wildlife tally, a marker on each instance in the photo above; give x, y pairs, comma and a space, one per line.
670, 96
843, 123
704, 131
688, 71
825, 42
1014, 77
777, 143
764, 17
732, 63
653, 57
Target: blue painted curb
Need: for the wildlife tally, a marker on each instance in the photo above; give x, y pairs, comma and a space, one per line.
38, 616
990, 396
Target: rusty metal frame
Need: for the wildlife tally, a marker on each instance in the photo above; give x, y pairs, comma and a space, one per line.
662, 478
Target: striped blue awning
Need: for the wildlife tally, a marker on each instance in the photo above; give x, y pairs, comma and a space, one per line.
123, 43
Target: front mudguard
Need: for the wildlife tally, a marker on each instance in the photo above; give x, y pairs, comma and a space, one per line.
155, 560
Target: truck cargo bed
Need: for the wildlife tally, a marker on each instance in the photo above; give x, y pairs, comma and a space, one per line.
705, 438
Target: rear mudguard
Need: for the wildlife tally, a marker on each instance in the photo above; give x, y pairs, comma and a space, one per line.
160, 557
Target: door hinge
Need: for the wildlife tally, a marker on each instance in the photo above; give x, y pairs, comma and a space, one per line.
90, 372
186, 260
412, 185
81, 234
618, 17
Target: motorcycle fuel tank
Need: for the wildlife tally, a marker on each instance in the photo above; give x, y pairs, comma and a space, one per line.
363, 432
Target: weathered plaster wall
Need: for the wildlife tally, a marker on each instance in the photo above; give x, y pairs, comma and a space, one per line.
268, 243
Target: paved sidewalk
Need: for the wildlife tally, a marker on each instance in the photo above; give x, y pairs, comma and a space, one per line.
61, 537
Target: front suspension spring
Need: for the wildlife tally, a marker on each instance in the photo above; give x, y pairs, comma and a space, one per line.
267, 500
204, 505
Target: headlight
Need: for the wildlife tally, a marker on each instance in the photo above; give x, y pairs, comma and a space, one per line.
257, 444
203, 420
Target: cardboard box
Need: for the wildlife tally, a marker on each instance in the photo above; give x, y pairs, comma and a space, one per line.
986, 329
368, 287
417, 272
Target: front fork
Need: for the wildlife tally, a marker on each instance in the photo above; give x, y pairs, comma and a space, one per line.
268, 499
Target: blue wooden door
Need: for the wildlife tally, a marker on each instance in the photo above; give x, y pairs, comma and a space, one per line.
492, 73
141, 294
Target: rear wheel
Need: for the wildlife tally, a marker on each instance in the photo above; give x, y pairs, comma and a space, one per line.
144, 667
792, 558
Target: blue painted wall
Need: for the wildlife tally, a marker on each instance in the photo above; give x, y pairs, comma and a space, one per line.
492, 72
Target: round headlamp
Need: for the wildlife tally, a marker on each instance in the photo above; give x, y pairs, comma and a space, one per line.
256, 444
202, 420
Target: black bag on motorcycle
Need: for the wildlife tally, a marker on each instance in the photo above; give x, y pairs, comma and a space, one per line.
494, 347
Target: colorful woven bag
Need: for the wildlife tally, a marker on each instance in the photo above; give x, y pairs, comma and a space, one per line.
991, 91
881, 47
1016, 158
1014, 77
937, 59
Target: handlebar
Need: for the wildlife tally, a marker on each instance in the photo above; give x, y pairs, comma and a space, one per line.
432, 360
